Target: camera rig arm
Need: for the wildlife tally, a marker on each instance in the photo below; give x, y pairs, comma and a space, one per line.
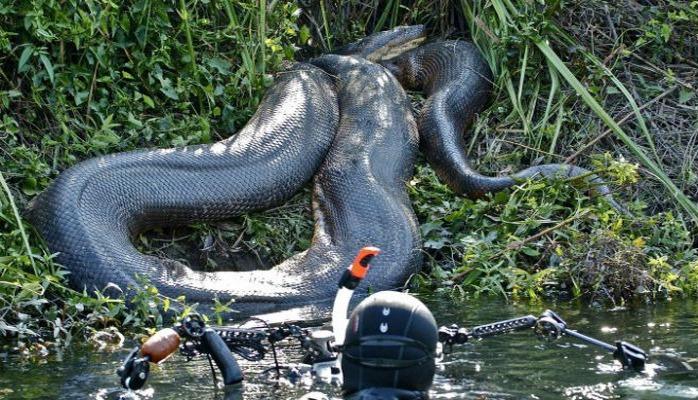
548, 326
192, 337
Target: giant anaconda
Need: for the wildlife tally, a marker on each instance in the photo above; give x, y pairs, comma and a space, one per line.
340, 118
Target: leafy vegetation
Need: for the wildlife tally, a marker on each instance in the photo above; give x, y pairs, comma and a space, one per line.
611, 85
545, 240
80, 79
550, 240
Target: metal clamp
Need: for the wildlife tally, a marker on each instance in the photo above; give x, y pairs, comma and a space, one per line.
134, 371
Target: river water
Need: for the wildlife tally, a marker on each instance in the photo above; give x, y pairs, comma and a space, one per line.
514, 366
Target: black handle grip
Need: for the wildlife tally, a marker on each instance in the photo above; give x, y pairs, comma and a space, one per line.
224, 359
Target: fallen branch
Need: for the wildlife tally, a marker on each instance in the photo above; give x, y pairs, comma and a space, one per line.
519, 243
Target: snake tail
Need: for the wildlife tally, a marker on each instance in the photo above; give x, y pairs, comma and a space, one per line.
458, 84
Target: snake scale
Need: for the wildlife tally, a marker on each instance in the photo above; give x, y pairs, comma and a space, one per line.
342, 119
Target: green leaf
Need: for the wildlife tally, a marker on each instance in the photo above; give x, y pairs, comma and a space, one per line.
304, 34
222, 65
29, 187
529, 251
686, 95
436, 244
168, 90
105, 139
26, 53
81, 97
47, 64
427, 227
133, 121
148, 101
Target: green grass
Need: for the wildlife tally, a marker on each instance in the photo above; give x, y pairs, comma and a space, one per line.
609, 85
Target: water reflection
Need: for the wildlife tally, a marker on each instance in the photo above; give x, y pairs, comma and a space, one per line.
509, 367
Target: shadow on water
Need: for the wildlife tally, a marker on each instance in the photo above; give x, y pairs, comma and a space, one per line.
514, 366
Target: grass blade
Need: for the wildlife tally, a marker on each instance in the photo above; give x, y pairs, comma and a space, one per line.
688, 205
20, 224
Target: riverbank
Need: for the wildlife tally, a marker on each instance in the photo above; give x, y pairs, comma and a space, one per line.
607, 85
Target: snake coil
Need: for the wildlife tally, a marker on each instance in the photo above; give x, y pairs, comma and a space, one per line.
340, 118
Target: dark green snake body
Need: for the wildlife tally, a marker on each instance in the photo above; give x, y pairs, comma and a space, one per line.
340, 118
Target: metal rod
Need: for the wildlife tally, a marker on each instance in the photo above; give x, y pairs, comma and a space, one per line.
588, 339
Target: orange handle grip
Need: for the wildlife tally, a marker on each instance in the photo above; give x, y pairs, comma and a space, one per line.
161, 345
359, 267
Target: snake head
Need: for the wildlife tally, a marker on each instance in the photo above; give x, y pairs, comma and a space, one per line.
385, 44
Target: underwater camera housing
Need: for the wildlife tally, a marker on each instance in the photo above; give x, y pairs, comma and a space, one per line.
391, 342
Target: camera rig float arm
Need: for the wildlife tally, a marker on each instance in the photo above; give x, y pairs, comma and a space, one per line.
548, 326
193, 338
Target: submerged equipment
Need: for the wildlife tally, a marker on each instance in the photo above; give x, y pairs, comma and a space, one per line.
385, 350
